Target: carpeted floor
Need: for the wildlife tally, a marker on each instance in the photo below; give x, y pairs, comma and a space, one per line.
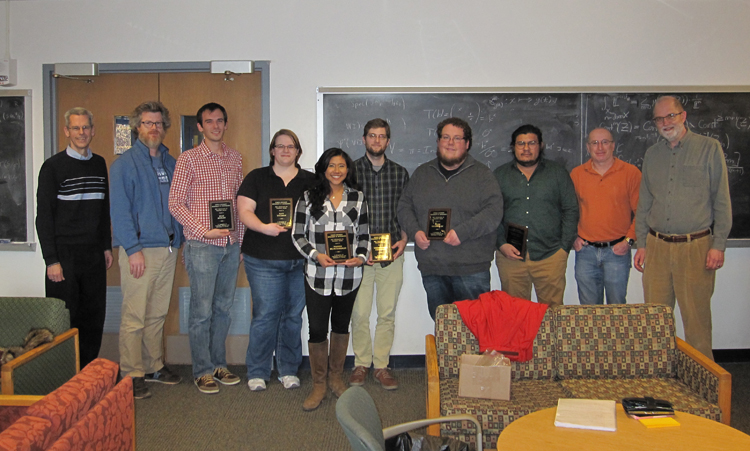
180, 418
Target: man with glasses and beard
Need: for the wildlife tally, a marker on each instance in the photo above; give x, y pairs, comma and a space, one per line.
451, 208
382, 181
149, 238
540, 207
684, 194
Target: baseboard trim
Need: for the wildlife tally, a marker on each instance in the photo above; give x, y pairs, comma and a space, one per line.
731, 355
398, 362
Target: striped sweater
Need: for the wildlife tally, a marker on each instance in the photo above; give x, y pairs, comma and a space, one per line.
72, 204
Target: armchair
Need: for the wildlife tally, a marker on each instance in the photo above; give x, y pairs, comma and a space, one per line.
47, 367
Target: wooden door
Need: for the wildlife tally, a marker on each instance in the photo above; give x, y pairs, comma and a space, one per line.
112, 95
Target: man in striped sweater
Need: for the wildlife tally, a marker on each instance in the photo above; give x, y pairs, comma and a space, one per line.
74, 230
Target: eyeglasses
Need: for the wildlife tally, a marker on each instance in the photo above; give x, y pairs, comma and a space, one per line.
78, 129
456, 139
522, 144
280, 147
603, 142
380, 137
661, 119
149, 124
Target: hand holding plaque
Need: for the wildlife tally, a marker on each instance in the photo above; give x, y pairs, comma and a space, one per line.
282, 211
516, 236
222, 215
381, 247
438, 223
337, 245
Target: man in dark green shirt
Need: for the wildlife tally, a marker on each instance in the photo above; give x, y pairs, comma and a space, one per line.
538, 196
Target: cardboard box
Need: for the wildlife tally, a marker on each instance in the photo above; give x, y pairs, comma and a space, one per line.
492, 382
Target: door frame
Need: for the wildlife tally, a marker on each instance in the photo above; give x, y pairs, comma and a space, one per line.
51, 146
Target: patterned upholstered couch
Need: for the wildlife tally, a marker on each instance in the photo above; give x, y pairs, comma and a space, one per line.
87, 412
599, 352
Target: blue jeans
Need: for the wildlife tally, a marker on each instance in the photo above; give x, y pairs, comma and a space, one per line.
448, 289
278, 290
213, 278
599, 270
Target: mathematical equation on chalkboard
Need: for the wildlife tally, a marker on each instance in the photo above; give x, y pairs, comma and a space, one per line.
722, 116
565, 119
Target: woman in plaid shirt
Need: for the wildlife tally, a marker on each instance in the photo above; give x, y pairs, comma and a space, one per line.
334, 203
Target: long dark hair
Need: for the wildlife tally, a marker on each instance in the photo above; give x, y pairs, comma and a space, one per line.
322, 187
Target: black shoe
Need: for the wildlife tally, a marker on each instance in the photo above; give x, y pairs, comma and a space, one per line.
140, 389
164, 376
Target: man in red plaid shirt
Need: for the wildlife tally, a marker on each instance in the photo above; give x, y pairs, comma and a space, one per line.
203, 199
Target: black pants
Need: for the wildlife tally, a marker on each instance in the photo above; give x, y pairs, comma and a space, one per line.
320, 308
84, 291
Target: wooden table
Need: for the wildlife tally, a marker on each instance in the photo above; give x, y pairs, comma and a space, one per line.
537, 431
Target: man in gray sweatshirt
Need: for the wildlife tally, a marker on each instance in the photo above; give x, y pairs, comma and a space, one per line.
451, 208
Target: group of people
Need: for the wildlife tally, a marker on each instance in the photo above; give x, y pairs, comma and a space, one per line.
284, 223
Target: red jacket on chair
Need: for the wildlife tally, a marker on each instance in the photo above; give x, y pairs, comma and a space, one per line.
503, 323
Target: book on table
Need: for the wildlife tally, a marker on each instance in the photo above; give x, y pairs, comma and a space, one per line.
593, 414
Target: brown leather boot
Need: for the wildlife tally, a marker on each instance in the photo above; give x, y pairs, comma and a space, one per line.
339, 344
319, 366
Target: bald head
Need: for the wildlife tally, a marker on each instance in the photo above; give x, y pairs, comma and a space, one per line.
669, 101
601, 146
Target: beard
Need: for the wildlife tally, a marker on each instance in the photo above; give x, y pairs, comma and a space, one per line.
529, 163
373, 152
677, 130
450, 162
151, 142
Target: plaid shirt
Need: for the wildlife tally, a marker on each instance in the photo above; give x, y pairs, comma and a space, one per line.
382, 191
202, 176
308, 234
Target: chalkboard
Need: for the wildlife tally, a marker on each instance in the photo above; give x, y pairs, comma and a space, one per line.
565, 119
15, 165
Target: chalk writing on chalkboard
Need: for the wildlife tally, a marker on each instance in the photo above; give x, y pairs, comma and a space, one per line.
13, 219
565, 119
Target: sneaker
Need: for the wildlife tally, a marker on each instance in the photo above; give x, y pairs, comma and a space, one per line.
207, 384
386, 379
256, 384
289, 382
224, 376
140, 390
164, 376
357, 379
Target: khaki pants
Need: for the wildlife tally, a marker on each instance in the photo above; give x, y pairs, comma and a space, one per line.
145, 302
679, 270
547, 276
388, 281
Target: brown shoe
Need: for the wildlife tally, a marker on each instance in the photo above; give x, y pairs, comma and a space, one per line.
386, 379
357, 379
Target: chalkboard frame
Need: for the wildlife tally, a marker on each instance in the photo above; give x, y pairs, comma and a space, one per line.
29, 244
322, 92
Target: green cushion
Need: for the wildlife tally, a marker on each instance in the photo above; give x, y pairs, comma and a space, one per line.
19, 315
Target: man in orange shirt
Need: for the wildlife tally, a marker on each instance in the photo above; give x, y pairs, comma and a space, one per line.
607, 191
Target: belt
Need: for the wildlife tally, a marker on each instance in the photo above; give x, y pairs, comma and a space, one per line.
679, 238
604, 243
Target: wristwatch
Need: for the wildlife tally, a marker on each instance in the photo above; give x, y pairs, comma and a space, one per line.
630, 241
